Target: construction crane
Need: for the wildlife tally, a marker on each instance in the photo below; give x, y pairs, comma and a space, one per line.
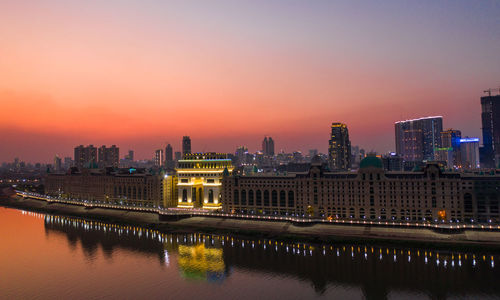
488, 91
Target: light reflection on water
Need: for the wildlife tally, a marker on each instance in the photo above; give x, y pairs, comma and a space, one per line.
190, 265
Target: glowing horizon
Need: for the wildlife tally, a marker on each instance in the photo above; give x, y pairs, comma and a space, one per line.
139, 74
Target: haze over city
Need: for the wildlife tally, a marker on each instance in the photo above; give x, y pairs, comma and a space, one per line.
139, 74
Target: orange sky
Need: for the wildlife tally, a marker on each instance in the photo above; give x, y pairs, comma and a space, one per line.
142, 73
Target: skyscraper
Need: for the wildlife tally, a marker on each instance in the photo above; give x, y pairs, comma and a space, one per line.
268, 146
130, 155
57, 163
450, 148
490, 117
469, 149
186, 145
339, 148
169, 154
158, 158
85, 157
108, 157
418, 139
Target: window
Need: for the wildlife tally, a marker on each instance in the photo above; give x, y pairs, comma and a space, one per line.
210, 196
236, 199
274, 198
258, 198
290, 199
243, 197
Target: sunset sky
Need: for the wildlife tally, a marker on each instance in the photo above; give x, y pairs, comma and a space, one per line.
139, 74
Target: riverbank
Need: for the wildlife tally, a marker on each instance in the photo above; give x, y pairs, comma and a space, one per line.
279, 230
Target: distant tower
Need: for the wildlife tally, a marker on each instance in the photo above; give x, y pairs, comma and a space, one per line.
339, 148
186, 145
57, 163
158, 158
169, 154
490, 117
268, 146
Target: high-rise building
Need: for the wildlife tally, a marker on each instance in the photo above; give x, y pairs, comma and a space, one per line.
268, 146
158, 158
339, 148
57, 163
130, 155
490, 117
449, 151
418, 139
169, 154
68, 162
392, 162
469, 150
186, 145
108, 157
85, 157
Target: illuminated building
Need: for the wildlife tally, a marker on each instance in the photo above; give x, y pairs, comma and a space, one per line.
469, 149
108, 157
490, 118
418, 139
268, 146
449, 151
85, 157
186, 145
339, 148
200, 179
170, 195
158, 158
369, 194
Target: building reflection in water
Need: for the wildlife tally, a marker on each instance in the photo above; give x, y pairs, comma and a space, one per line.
378, 271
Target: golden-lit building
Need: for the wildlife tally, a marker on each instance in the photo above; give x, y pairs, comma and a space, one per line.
200, 179
170, 195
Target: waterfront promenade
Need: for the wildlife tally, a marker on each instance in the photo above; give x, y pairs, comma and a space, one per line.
322, 230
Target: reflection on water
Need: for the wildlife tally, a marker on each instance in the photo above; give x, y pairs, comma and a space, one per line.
377, 272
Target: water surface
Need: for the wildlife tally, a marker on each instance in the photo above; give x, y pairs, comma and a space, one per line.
46, 257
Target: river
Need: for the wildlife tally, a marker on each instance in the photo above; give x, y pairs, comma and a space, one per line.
47, 256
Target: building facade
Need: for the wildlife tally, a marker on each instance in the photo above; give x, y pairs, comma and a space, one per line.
369, 194
200, 179
339, 148
125, 187
418, 139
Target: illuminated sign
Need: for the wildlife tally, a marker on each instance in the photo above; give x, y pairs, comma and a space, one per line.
469, 140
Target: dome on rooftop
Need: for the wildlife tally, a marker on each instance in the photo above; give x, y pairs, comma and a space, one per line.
371, 161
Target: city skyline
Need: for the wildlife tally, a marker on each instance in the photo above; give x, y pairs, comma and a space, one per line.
148, 73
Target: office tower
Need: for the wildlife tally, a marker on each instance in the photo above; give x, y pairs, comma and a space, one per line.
241, 154
169, 154
57, 163
469, 150
85, 157
417, 139
490, 117
186, 145
449, 151
108, 157
130, 155
268, 146
339, 148
158, 158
